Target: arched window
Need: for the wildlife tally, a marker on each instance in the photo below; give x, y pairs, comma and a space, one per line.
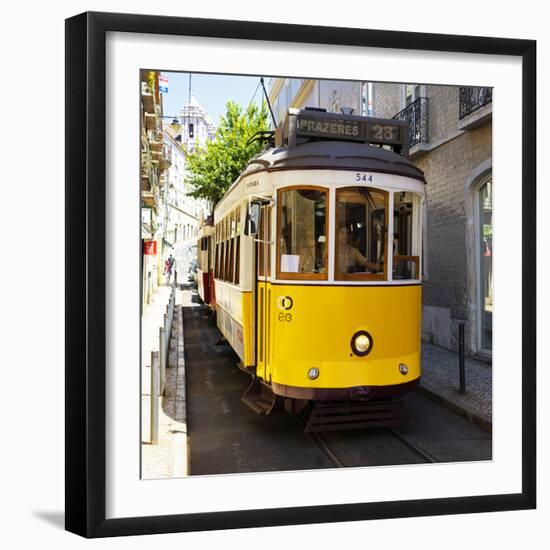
479, 258
485, 274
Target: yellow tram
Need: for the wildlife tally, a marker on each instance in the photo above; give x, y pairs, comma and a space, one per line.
317, 251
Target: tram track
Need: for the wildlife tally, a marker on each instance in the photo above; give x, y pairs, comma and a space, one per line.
412, 445
332, 456
319, 442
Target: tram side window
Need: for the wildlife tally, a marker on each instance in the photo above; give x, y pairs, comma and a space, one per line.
237, 246
222, 256
201, 254
264, 234
224, 251
406, 235
231, 255
302, 233
216, 253
237, 259
219, 254
208, 254
361, 243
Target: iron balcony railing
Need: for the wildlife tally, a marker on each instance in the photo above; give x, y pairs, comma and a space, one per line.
416, 114
472, 99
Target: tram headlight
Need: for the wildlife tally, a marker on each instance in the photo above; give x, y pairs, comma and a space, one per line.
361, 343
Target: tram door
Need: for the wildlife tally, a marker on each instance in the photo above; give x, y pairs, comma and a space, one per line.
263, 293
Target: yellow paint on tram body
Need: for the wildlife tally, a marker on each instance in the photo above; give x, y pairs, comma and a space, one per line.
317, 329
315, 326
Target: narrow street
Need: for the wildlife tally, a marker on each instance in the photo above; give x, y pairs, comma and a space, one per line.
224, 436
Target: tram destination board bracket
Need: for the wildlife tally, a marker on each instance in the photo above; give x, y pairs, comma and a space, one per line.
307, 124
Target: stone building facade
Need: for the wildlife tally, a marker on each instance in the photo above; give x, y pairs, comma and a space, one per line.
450, 139
153, 173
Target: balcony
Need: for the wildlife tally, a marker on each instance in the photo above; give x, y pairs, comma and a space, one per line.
146, 183
150, 122
474, 107
416, 114
164, 163
147, 98
148, 199
156, 145
472, 99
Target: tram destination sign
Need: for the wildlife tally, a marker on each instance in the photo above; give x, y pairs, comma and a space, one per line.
369, 131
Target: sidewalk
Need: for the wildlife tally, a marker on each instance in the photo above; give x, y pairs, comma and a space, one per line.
169, 457
440, 382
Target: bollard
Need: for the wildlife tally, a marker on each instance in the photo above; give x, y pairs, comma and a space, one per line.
172, 301
461, 367
167, 329
169, 321
162, 359
154, 420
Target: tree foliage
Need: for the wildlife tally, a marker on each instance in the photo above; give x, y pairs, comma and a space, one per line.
215, 167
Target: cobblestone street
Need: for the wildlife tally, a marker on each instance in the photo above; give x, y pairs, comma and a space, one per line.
440, 379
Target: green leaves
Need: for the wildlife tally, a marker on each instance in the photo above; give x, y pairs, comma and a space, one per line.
213, 169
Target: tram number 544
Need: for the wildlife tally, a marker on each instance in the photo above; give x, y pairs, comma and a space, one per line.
364, 177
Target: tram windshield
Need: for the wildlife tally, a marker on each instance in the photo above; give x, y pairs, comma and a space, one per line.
303, 232
361, 222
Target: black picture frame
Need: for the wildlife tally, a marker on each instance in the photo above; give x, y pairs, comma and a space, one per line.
86, 274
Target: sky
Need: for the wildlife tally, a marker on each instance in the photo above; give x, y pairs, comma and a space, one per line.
212, 92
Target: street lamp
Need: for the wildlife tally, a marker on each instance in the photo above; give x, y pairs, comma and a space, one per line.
174, 125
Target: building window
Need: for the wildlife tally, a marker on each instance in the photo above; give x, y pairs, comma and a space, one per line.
412, 93
486, 266
302, 233
361, 243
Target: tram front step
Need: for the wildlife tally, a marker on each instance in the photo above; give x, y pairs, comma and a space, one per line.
259, 397
262, 405
348, 415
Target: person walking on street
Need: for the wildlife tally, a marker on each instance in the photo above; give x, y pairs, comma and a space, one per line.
169, 267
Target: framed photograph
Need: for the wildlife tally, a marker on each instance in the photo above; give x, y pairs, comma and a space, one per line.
293, 255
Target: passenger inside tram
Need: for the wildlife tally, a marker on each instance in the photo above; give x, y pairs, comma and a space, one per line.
360, 245
350, 259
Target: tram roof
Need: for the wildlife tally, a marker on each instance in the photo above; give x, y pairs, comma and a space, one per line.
333, 155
